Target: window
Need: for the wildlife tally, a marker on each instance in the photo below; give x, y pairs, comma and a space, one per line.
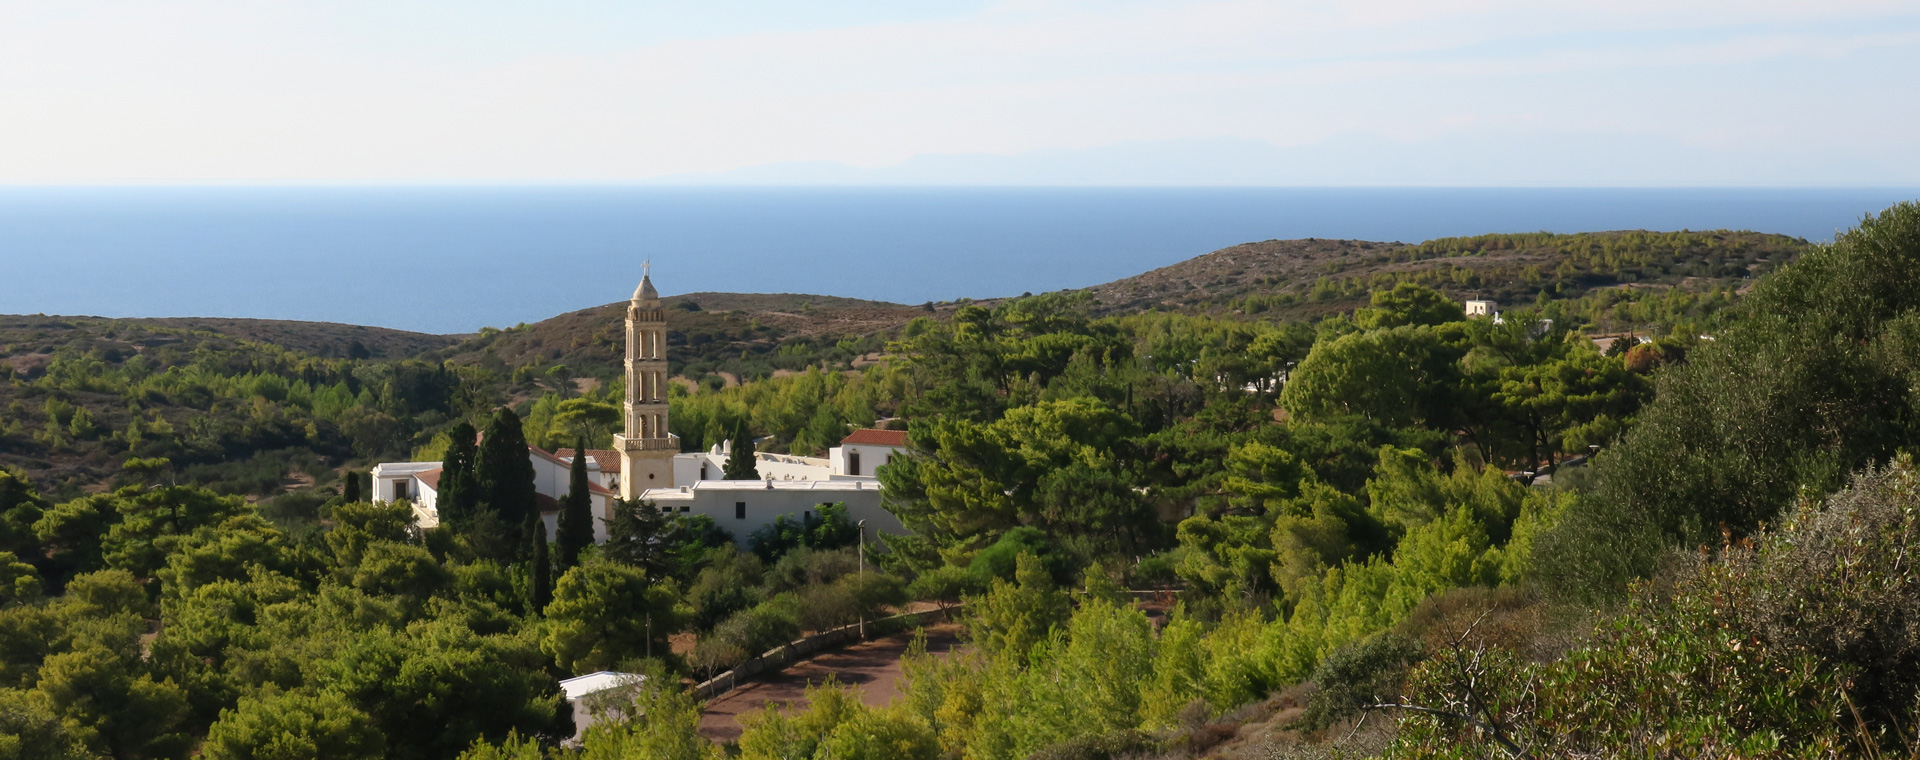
685, 509
853, 463
739, 510
703, 471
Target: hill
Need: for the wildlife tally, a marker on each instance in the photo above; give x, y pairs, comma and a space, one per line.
1309, 278
323, 339
734, 333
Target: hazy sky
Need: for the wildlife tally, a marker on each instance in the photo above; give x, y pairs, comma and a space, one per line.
1758, 91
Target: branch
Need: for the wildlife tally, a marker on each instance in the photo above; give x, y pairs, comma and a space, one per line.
1499, 736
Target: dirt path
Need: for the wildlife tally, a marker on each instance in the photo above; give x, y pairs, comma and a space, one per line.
874, 666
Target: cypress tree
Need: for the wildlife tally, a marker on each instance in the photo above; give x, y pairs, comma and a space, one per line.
741, 464
576, 513
458, 491
540, 579
503, 475
350, 490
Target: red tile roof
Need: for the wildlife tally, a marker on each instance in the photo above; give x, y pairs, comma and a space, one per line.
608, 458
871, 437
431, 478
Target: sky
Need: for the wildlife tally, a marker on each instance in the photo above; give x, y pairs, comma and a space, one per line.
1020, 92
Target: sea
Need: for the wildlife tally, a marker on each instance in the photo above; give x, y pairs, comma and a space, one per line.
455, 259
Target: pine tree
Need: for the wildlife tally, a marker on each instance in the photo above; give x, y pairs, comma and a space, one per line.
540, 580
503, 475
350, 489
741, 464
459, 493
638, 535
576, 512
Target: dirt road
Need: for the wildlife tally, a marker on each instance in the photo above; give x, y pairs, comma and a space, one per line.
874, 666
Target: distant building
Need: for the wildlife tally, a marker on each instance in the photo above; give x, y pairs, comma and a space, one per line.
1478, 308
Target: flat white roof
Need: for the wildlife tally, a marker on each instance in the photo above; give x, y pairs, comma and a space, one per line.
404, 468
580, 686
687, 492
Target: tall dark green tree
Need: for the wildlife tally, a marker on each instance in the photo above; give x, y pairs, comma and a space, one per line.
576, 512
350, 488
637, 535
540, 568
459, 491
502, 472
741, 464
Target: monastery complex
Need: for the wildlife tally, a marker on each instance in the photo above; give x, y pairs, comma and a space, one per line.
646, 462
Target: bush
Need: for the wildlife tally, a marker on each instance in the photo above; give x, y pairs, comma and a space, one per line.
999, 560
1118, 745
1357, 675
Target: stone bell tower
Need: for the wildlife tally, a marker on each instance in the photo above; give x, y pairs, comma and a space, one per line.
646, 450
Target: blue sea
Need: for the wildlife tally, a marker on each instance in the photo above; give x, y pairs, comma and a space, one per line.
449, 260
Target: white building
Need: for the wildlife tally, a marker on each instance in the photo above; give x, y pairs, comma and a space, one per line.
579, 688
418, 484
1482, 309
744, 506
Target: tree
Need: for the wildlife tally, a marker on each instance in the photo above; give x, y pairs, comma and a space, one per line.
504, 473
29, 730
350, 487
112, 708
1409, 303
540, 570
1012, 617
436, 687
637, 536
604, 613
459, 489
1395, 377
294, 726
945, 586
741, 462
576, 512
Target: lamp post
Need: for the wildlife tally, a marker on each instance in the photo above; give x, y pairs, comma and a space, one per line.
862, 525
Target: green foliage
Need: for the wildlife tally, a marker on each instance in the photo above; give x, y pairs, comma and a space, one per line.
503, 474
604, 613
575, 531
827, 528
1813, 380
539, 569
836, 724
741, 462
1014, 616
294, 726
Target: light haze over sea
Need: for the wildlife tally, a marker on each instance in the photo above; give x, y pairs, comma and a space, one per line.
450, 260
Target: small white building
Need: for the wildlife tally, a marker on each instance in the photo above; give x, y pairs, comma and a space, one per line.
862, 454
1478, 308
578, 688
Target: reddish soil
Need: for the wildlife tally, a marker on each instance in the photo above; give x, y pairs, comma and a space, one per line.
874, 666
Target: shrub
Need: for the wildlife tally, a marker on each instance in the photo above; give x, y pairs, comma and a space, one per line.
1357, 675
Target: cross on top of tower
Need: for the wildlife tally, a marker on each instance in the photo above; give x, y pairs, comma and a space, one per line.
646, 268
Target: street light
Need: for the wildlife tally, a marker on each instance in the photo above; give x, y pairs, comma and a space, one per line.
862, 525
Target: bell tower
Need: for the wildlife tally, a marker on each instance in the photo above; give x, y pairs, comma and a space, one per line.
646, 449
